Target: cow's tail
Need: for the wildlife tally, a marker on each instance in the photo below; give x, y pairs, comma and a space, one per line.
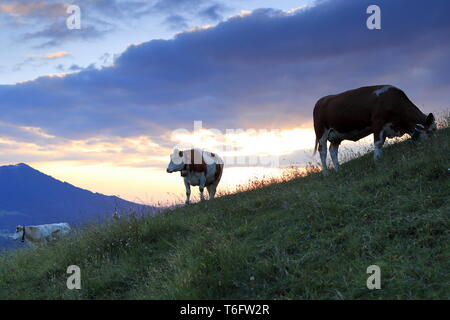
316, 146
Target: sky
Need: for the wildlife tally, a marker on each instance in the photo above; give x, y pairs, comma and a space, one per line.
103, 106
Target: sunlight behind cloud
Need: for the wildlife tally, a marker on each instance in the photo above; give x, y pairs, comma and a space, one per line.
242, 13
37, 131
56, 55
134, 167
248, 142
295, 10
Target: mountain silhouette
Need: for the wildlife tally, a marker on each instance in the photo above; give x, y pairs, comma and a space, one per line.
30, 197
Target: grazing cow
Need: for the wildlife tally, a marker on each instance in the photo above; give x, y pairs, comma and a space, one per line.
42, 233
382, 110
198, 168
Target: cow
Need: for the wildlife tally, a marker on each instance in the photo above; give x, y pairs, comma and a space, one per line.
42, 233
383, 110
198, 168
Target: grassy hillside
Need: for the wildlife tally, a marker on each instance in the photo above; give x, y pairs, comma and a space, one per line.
309, 238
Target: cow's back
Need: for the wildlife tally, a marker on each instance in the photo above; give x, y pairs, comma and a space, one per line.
356, 109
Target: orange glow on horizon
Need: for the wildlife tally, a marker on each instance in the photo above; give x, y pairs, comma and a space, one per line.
133, 168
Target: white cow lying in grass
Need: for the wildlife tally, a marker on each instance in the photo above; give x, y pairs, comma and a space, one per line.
42, 233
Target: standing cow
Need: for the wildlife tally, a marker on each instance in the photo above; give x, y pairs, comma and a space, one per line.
198, 168
382, 110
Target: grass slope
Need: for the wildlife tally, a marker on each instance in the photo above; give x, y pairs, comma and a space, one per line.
309, 238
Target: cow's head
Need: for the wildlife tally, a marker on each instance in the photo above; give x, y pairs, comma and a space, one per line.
177, 162
19, 233
423, 131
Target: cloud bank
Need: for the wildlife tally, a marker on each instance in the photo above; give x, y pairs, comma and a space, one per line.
265, 69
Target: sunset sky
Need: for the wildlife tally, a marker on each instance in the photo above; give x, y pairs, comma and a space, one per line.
103, 106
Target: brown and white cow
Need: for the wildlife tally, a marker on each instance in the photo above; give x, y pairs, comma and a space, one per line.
198, 168
383, 110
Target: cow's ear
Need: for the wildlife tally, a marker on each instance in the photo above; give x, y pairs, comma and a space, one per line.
429, 120
180, 153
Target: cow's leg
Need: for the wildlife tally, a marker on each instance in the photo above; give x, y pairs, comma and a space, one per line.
323, 151
378, 140
211, 191
188, 191
334, 147
202, 186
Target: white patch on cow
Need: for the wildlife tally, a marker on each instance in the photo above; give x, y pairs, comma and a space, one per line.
355, 135
211, 158
383, 90
334, 147
420, 126
378, 145
193, 178
323, 150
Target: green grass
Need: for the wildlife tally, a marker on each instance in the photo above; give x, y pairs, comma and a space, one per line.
309, 238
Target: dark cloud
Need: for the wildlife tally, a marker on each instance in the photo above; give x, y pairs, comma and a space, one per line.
264, 70
176, 22
106, 58
51, 9
179, 12
75, 67
46, 20
71, 68
213, 12
57, 33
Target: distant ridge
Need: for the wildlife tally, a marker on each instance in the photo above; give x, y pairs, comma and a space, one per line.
28, 196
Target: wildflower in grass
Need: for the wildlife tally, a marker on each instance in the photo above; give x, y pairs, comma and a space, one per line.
285, 205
